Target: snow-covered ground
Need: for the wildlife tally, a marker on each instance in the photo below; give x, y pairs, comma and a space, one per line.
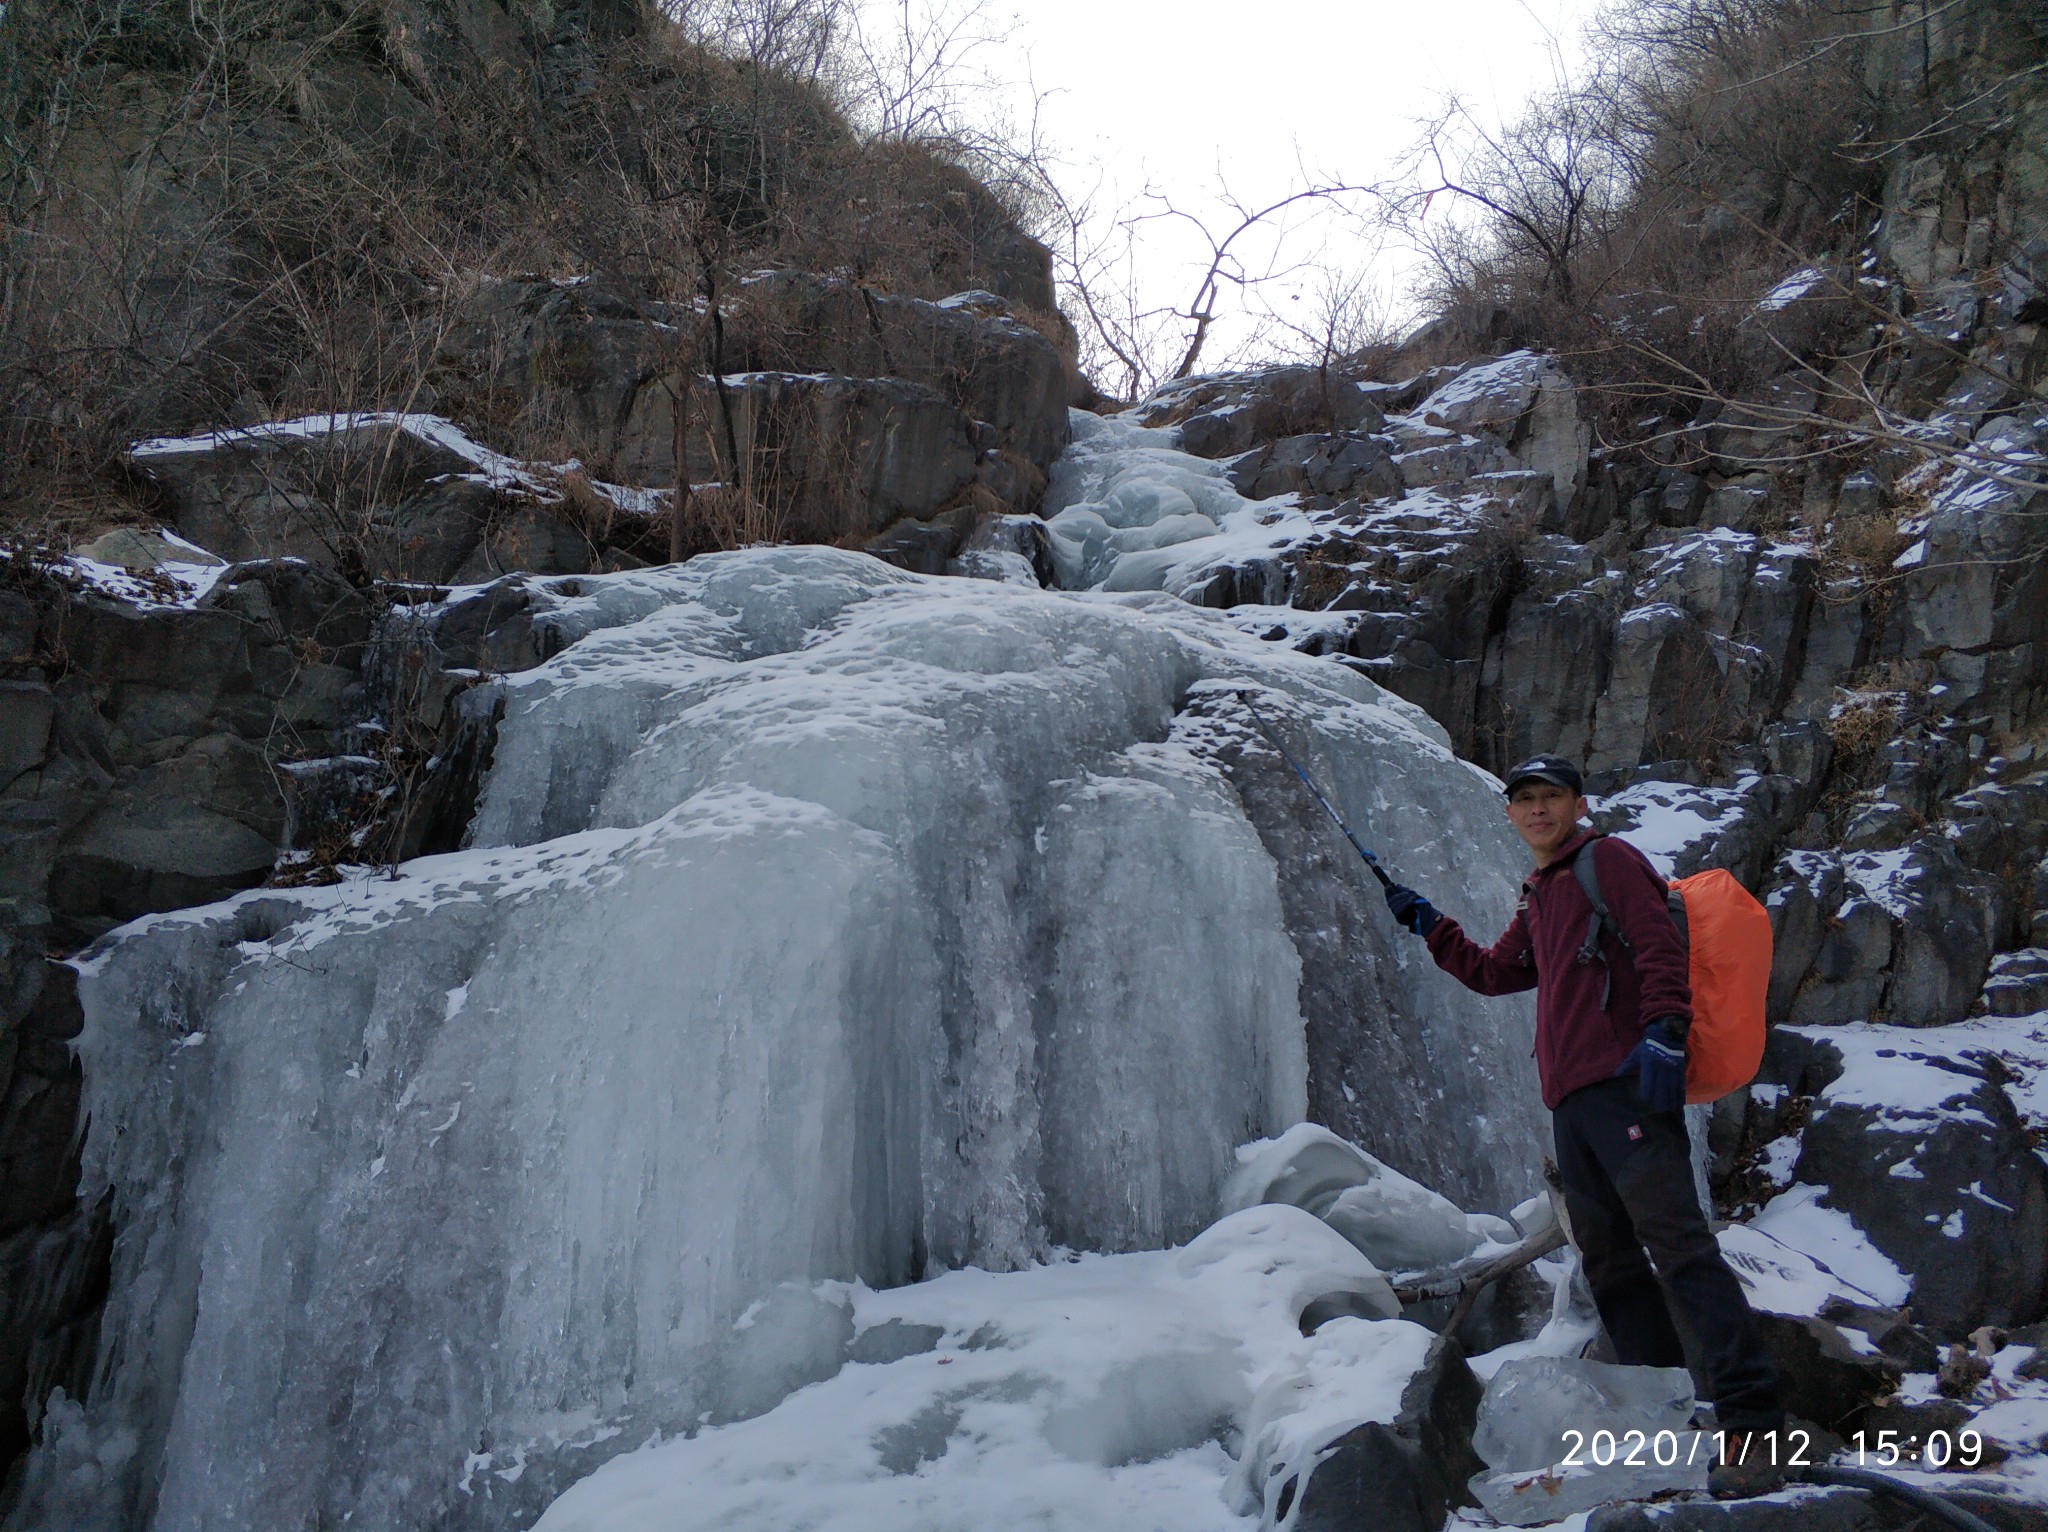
1163, 1390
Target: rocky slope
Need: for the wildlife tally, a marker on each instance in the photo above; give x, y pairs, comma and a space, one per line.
1807, 647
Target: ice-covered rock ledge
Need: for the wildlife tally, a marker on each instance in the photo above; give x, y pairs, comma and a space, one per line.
1161, 1389
821, 922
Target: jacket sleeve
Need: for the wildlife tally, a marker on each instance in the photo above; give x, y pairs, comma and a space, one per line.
1639, 902
1505, 968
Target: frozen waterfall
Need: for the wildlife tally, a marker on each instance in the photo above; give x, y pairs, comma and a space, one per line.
1128, 510
821, 921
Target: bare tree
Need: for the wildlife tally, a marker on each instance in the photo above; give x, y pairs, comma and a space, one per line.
1545, 185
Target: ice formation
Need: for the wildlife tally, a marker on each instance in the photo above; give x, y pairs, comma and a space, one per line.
1129, 511
1394, 1220
1090, 1394
1561, 1435
823, 923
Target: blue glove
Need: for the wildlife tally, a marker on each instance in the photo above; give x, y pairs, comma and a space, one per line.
1410, 909
1658, 1063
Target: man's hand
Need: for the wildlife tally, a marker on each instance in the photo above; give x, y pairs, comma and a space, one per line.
1410, 909
1658, 1063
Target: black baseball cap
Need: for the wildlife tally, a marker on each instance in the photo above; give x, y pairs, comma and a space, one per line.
1554, 769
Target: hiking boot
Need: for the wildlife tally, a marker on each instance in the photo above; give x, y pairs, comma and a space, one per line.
1752, 1463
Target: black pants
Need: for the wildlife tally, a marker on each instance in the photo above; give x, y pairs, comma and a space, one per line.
1649, 1255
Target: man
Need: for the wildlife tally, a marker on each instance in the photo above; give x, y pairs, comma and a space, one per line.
1610, 1054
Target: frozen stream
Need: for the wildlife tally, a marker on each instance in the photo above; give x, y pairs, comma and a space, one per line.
823, 923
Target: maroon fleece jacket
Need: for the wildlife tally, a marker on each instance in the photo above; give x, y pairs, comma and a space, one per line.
1577, 1041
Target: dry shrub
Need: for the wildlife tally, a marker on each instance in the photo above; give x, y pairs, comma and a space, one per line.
1632, 219
1864, 544
234, 210
725, 516
1859, 730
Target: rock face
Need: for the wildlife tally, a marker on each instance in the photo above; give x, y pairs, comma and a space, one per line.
969, 349
139, 775
838, 411
394, 497
1936, 1167
826, 458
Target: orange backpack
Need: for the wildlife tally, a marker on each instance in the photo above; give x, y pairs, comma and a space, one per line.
1727, 937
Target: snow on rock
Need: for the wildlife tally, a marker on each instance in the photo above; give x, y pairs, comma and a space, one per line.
1491, 396
1525, 399
1086, 1393
490, 467
1916, 1179
152, 571
1675, 824
1798, 1221
1399, 1223
822, 923
1783, 1277
1791, 289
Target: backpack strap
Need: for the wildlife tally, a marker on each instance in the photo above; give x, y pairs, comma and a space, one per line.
1587, 871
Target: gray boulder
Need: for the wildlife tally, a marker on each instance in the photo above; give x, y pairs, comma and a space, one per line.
1405, 1475
2018, 983
1526, 401
1226, 415
397, 497
1824, 1374
1318, 464
1977, 580
1830, 952
1904, 935
1447, 461
1922, 1147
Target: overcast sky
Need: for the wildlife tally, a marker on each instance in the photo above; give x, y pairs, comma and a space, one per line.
1173, 95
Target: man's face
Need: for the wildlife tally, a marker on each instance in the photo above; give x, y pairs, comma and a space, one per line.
1545, 816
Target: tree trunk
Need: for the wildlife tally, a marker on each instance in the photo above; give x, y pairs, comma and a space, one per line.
678, 543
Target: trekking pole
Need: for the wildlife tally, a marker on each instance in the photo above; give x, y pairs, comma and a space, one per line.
1286, 755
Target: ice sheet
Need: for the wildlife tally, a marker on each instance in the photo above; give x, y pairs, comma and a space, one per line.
824, 922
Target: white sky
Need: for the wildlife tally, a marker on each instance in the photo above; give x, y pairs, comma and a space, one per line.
1171, 94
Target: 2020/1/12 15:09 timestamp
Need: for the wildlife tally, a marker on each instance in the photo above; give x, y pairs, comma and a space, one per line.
1792, 1448
1931, 1449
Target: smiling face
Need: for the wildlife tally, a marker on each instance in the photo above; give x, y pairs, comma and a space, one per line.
1545, 816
